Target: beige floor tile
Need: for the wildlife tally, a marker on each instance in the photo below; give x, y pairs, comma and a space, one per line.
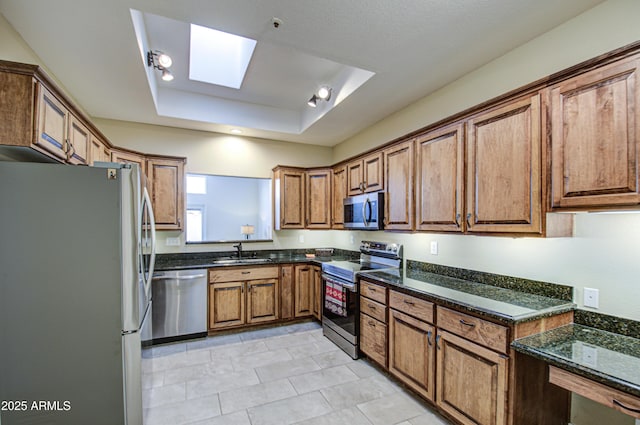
312, 349
237, 418
199, 371
359, 391
392, 409
220, 383
286, 369
290, 340
323, 378
351, 416
227, 352
290, 411
255, 360
255, 395
166, 394
184, 412
332, 358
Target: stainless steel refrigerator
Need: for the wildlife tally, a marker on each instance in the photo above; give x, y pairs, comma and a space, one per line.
77, 246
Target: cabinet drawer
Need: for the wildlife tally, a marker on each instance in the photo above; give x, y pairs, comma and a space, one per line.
374, 309
595, 391
412, 306
243, 273
373, 291
486, 333
373, 339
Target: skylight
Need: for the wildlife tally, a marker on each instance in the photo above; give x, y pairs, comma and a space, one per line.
218, 57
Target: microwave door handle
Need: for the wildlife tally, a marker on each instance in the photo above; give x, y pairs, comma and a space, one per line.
364, 213
367, 220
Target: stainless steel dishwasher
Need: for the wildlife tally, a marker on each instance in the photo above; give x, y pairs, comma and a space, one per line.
179, 305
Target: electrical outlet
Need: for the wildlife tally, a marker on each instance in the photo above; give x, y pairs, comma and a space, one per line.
301, 238
591, 297
434, 247
351, 239
172, 241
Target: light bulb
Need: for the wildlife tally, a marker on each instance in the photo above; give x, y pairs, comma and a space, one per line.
166, 75
324, 93
164, 60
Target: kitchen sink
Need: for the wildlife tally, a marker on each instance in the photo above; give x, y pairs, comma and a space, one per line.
243, 261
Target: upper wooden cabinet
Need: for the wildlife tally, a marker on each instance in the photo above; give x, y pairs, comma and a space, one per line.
53, 124
399, 181
595, 138
98, 151
130, 157
440, 179
504, 169
288, 198
338, 193
365, 174
318, 198
79, 142
166, 188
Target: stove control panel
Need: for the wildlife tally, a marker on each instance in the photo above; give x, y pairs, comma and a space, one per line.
381, 248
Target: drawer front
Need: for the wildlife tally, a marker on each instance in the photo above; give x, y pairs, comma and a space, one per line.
374, 309
480, 331
412, 306
373, 291
242, 273
610, 397
373, 339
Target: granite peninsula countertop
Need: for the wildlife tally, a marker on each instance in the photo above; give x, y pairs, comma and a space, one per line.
504, 305
609, 358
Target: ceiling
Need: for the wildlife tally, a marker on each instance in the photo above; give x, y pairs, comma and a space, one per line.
378, 56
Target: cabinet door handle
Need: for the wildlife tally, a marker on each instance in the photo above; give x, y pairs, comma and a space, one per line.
438, 342
464, 322
411, 303
469, 219
429, 338
246, 272
371, 306
458, 220
620, 404
372, 289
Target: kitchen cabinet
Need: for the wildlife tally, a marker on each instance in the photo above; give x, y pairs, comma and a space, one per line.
288, 198
373, 322
318, 198
411, 343
79, 141
472, 381
130, 157
338, 193
440, 179
98, 150
166, 188
366, 174
503, 184
53, 122
286, 291
317, 292
303, 304
595, 138
242, 296
399, 182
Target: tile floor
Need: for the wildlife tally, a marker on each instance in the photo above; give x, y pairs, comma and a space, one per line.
282, 375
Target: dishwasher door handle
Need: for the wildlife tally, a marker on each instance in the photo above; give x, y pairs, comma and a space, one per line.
197, 276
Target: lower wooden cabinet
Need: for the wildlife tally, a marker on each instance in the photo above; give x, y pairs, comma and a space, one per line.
317, 292
303, 291
472, 381
411, 352
373, 322
234, 302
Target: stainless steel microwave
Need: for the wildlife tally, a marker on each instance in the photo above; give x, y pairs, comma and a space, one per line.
364, 212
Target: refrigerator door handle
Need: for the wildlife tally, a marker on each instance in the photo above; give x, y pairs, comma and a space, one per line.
152, 222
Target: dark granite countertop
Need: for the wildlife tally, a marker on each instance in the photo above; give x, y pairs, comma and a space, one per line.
205, 260
605, 357
504, 305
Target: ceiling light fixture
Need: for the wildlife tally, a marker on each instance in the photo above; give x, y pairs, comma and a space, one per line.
324, 93
160, 61
236, 131
313, 102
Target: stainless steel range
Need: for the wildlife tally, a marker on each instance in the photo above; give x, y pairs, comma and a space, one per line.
340, 311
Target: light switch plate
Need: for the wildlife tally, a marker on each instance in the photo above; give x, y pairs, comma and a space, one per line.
172, 241
591, 297
301, 238
434, 248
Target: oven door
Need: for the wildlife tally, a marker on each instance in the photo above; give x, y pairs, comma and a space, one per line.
340, 313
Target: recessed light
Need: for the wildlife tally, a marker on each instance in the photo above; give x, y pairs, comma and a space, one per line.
324, 93
236, 131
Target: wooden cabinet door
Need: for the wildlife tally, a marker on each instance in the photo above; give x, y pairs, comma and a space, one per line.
338, 193
317, 292
411, 352
286, 291
373, 339
318, 196
373, 172
595, 138
503, 177
440, 179
303, 291
398, 177
166, 188
98, 151
472, 381
289, 188
226, 305
79, 142
262, 300
366, 174
53, 118
130, 158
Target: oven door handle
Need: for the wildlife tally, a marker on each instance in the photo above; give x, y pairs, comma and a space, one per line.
348, 285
